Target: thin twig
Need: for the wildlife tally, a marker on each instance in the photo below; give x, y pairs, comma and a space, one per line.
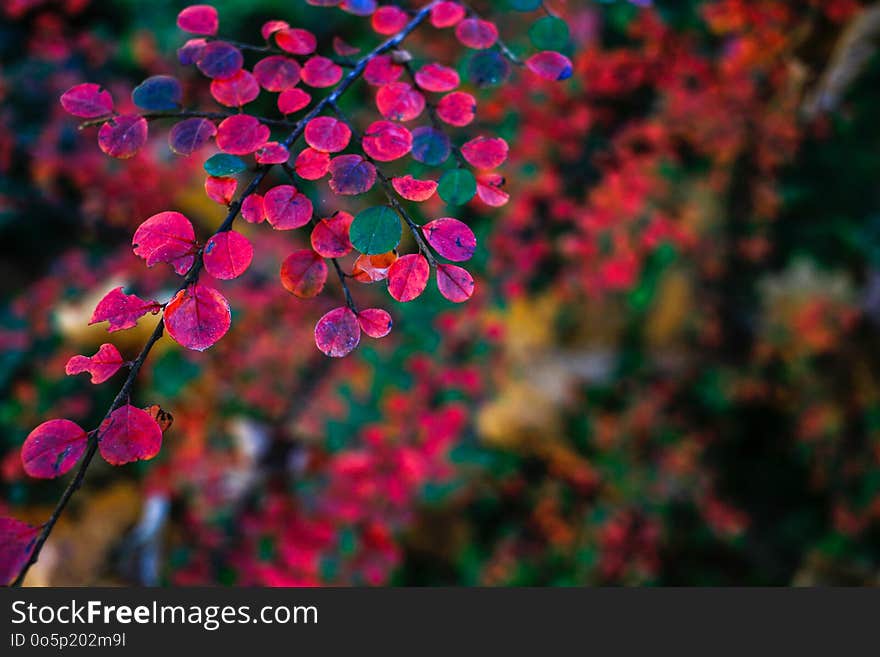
193, 274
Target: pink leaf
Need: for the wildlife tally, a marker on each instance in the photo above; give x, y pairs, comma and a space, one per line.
451, 238
252, 209
286, 208
382, 70
122, 310
446, 14
400, 102
87, 100
550, 65
385, 141
272, 153
53, 448
304, 273
489, 189
197, 317
375, 322
457, 108
338, 333
296, 41
389, 20
101, 366
330, 235
476, 33
327, 134
321, 72
241, 134
238, 90
311, 164
277, 73
408, 276
220, 190
17, 540
123, 136
435, 77
414, 190
454, 283
293, 100
199, 19
166, 237
129, 434
227, 255
485, 152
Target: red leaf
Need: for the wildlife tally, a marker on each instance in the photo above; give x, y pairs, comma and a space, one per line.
321, 72
446, 14
286, 208
236, 91
485, 152
414, 190
451, 238
400, 102
435, 77
227, 255
166, 237
220, 190
199, 19
277, 73
129, 434
101, 366
457, 108
53, 448
550, 65
219, 60
197, 317
296, 41
490, 192
311, 164
351, 174
17, 540
454, 283
252, 209
330, 235
389, 20
271, 27
327, 134
408, 276
272, 153
338, 333
122, 310
382, 70
87, 101
386, 141
375, 322
189, 135
373, 268
123, 136
293, 100
241, 134
476, 33
303, 273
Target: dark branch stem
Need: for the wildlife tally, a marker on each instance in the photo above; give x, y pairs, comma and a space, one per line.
193, 274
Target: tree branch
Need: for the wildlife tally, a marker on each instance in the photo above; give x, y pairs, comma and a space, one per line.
193, 274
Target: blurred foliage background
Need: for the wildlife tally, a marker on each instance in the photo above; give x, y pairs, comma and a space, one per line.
669, 375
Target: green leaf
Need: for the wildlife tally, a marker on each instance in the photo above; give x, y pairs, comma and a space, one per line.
549, 33
375, 230
457, 186
224, 165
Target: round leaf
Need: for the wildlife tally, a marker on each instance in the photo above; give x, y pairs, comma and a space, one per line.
375, 230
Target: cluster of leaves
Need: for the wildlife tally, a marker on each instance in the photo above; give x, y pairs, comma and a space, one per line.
198, 315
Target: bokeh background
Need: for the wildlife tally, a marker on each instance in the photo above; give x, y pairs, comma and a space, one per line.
669, 374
